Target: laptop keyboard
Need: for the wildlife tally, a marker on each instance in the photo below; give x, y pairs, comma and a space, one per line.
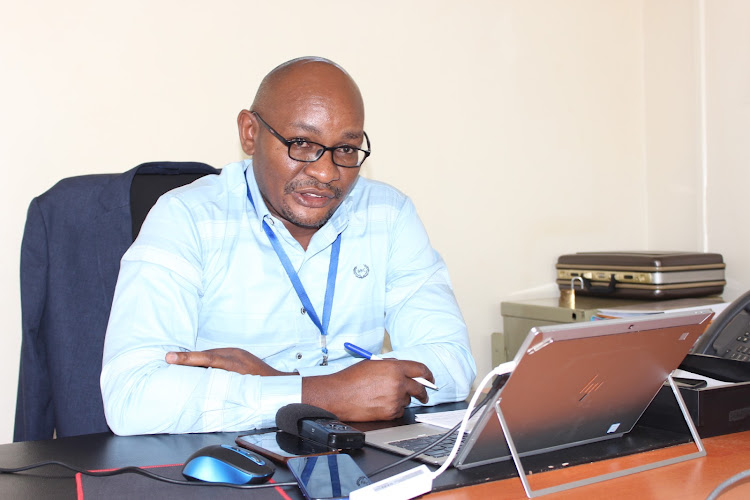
439, 451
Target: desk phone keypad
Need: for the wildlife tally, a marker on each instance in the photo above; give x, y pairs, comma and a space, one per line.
734, 342
742, 351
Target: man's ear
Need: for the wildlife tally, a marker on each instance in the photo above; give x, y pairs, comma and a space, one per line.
248, 128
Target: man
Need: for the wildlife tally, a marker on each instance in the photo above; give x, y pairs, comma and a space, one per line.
242, 288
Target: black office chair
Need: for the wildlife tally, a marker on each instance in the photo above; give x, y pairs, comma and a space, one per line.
75, 235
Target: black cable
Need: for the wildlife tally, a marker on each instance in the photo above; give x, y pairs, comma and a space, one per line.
496, 386
143, 472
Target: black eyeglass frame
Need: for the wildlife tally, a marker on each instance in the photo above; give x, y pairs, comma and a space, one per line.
290, 142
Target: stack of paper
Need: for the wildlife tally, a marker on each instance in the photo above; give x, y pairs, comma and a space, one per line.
447, 419
678, 305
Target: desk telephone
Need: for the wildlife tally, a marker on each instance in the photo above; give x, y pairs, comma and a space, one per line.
728, 335
723, 351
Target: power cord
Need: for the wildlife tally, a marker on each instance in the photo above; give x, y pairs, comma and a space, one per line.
418, 480
496, 386
504, 369
143, 472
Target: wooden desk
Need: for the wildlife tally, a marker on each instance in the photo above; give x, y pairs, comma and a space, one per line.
694, 479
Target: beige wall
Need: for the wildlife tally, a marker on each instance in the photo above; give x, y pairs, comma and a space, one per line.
728, 125
522, 129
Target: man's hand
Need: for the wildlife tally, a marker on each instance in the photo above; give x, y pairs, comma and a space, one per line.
369, 390
226, 358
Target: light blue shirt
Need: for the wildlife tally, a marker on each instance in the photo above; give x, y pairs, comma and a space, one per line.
202, 274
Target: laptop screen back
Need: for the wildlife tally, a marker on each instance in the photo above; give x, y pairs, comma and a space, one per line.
583, 382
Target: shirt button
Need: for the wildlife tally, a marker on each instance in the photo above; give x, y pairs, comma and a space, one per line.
298, 355
302, 311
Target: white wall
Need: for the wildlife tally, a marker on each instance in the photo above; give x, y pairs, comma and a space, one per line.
673, 142
728, 122
523, 129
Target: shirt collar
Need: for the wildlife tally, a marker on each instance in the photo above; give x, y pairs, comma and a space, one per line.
328, 233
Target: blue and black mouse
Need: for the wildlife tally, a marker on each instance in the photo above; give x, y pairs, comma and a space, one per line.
220, 463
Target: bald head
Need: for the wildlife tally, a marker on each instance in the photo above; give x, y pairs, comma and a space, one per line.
315, 77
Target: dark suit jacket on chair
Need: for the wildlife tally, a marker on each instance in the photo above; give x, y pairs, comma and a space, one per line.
75, 236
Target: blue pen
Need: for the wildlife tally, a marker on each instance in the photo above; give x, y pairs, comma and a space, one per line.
374, 357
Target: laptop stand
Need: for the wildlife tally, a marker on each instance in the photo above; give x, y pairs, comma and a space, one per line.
611, 475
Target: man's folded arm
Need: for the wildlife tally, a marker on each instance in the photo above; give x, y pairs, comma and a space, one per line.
155, 311
162, 398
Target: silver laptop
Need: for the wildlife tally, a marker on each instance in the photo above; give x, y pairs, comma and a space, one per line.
573, 384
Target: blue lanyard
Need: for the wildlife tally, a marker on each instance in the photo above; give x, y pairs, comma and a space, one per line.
297, 283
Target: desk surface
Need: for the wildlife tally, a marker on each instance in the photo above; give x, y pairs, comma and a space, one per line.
694, 479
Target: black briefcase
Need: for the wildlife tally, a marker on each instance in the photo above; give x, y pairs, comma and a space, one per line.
642, 275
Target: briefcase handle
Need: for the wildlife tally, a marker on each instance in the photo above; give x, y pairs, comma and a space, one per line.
599, 290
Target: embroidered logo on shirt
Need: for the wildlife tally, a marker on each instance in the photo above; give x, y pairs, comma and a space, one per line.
361, 271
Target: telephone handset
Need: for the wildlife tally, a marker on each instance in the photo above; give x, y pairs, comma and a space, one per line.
728, 336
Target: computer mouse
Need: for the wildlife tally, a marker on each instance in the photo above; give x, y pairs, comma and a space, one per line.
220, 463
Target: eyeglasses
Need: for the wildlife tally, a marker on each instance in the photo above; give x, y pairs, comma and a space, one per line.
308, 151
